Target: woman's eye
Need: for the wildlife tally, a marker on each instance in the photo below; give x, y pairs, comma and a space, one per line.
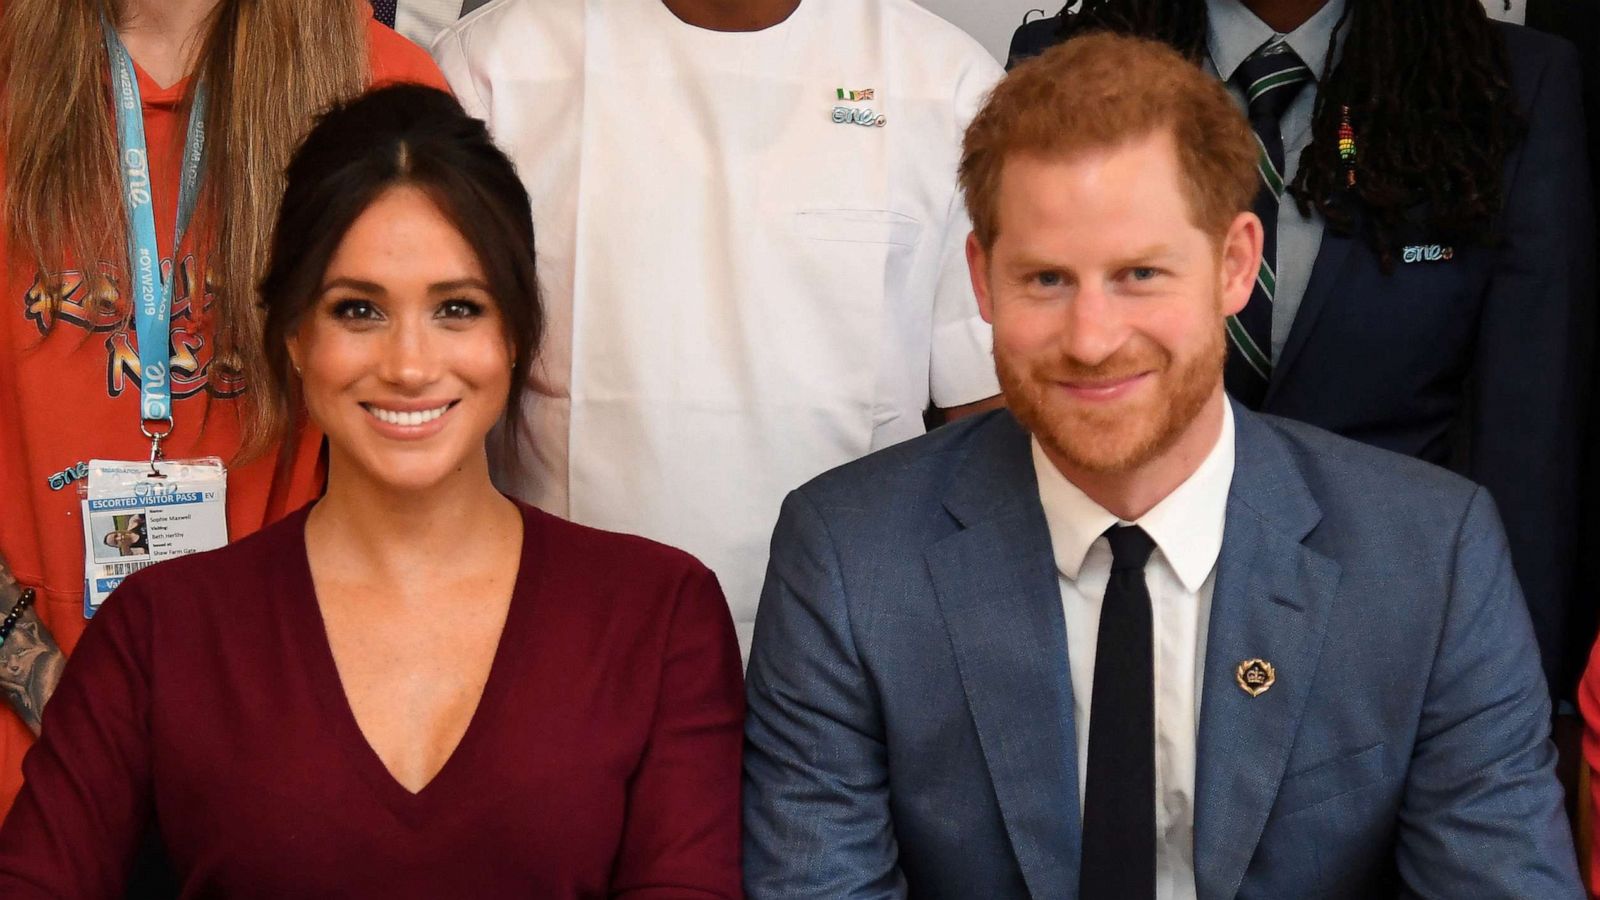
355, 310
460, 309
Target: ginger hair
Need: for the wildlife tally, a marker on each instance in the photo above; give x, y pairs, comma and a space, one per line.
1102, 91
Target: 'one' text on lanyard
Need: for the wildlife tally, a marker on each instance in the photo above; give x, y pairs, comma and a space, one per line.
152, 291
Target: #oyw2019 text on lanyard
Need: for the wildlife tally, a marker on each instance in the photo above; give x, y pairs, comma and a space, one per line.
136, 514
151, 292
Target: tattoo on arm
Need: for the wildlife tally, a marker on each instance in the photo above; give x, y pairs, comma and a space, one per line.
30, 661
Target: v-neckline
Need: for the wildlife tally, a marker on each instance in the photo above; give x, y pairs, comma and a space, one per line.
152, 93
329, 688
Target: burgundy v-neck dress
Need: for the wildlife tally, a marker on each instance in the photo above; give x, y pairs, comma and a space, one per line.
603, 758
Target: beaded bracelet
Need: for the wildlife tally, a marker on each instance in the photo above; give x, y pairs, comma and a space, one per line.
16, 613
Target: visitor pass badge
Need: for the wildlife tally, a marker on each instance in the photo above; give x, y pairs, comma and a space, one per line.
136, 514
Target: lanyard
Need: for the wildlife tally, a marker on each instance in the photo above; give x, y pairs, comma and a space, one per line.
152, 293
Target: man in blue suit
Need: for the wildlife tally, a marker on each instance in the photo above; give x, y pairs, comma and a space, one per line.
1129, 639
1434, 277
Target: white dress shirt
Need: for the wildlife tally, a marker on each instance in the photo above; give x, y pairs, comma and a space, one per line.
1187, 530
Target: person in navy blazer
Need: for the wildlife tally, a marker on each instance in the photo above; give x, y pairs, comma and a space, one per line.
1578, 21
1336, 664
1473, 350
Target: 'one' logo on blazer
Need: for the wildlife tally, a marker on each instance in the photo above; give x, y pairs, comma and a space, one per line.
1417, 253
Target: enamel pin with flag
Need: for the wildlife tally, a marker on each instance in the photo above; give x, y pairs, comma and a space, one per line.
853, 115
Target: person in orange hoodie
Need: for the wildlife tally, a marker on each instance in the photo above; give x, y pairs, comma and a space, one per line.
224, 90
1589, 707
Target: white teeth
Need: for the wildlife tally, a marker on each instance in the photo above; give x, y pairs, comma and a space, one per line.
397, 417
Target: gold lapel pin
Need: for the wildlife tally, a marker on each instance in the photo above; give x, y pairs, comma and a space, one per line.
1255, 676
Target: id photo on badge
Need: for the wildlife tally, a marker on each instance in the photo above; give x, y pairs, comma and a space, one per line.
118, 536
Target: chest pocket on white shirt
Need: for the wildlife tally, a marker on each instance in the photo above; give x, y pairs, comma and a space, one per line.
862, 226
843, 339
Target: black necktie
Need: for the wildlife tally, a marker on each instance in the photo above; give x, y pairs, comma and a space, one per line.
1119, 808
1270, 78
383, 11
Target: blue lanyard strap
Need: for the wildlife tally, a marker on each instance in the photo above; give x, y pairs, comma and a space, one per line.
152, 293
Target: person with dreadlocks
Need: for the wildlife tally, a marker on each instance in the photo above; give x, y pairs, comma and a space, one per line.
1429, 273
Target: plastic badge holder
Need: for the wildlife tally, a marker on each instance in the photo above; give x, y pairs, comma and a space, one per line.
136, 514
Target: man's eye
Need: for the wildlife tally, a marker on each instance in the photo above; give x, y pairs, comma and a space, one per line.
1049, 279
1143, 273
460, 309
355, 310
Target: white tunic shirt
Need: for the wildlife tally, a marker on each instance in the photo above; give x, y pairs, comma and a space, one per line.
745, 287
1187, 530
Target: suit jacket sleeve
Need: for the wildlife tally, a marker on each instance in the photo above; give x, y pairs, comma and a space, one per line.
1482, 814
816, 791
1532, 363
86, 793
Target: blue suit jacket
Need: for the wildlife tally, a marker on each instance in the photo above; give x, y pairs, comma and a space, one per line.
910, 726
1479, 362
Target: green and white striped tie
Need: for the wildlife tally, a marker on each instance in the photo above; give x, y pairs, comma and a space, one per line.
1270, 79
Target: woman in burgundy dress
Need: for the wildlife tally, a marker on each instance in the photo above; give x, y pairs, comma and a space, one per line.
414, 687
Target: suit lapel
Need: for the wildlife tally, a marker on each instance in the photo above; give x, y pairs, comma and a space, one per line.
1325, 275
1271, 602
997, 589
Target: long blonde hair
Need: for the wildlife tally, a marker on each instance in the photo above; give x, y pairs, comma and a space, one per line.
270, 66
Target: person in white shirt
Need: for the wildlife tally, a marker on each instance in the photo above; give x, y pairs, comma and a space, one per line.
750, 246
1128, 639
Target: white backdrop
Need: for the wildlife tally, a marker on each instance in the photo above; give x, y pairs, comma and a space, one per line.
992, 21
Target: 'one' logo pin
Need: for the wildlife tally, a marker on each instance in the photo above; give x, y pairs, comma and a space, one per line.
846, 115
1418, 253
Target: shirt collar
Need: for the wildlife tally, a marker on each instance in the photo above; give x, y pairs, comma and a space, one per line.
1186, 525
1233, 33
